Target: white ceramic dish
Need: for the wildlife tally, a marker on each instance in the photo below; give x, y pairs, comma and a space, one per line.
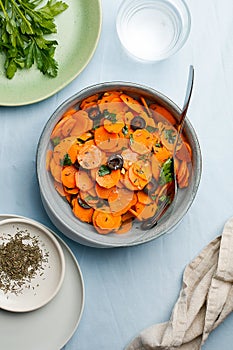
51, 326
41, 288
59, 210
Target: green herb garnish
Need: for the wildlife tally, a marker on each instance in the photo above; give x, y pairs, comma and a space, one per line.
110, 116
170, 135
125, 130
131, 140
56, 140
151, 128
166, 173
104, 170
158, 145
24, 28
66, 160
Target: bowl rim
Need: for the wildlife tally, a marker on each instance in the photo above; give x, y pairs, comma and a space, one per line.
107, 86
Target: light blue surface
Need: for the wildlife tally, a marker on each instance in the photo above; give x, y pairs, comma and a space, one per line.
129, 289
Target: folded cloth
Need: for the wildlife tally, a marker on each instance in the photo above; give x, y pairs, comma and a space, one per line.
205, 300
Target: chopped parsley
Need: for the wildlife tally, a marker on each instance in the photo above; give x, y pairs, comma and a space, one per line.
104, 170
66, 160
56, 141
166, 173
110, 116
170, 135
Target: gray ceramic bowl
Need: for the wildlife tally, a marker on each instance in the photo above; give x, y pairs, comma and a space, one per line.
59, 211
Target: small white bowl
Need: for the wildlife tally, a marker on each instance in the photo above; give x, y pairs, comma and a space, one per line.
32, 293
153, 30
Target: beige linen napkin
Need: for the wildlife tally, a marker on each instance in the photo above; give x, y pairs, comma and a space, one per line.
205, 300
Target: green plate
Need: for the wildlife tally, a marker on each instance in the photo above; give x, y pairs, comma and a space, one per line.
78, 32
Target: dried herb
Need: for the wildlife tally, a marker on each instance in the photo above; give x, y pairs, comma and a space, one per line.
21, 260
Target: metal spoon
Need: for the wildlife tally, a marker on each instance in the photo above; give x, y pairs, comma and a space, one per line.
147, 225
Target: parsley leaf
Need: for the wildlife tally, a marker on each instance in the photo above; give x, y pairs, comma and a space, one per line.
170, 135
110, 116
104, 170
66, 160
166, 173
23, 27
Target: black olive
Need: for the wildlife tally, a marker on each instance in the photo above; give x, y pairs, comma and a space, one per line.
76, 164
137, 123
150, 187
115, 162
93, 113
83, 204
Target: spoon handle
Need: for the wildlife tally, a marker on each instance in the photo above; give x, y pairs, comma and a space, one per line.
189, 90
154, 220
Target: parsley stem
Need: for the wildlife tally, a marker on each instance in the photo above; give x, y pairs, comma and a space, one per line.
4, 10
22, 15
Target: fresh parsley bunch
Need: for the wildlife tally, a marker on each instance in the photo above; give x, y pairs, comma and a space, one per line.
23, 26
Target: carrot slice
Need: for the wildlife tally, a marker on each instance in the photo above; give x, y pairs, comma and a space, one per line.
89, 99
120, 200
161, 153
136, 180
129, 157
102, 192
59, 188
107, 221
114, 106
108, 180
161, 112
68, 126
132, 103
81, 213
89, 156
128, 117
168, 138
125, 227
142, 169
155, 167
149, 112
55, 170
144, 198
127, 216
184, 152
73, 152
127, 183
74, 190
68, 176
69, 112
62, 149
83, 123
141, 141
145, 212
49, 155
105, 140
83, 181
87, 198
183, 175
57, 130
116, 126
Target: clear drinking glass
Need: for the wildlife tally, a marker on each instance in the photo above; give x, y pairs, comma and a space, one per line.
152, 30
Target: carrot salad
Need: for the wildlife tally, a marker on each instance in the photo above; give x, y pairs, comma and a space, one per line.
111, 159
